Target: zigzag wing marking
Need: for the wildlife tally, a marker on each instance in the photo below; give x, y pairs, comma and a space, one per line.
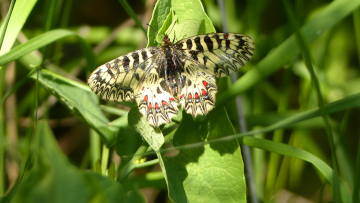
223, 53
117, 79
153, 99
197, 97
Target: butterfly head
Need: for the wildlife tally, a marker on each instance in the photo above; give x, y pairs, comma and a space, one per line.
166, 40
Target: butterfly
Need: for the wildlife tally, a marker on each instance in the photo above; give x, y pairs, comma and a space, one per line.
182, 73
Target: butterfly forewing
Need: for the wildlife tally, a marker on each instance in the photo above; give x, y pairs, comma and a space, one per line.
160, 79
116, 80
223, 53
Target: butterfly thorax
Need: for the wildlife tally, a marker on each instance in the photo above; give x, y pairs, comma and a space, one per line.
172, 70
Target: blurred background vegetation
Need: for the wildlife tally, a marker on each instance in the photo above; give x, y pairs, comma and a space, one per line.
284, 92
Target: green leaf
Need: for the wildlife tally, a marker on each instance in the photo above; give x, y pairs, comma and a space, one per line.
135, 196
151, 179
342, 104
209, 173
169, 22
81, 101
51, 178
287, 150
185, 12
19, 15
186, 28
182, 172
159, 15
153, 136
4, 25
177, 31
43, 40
192, 9
127, 142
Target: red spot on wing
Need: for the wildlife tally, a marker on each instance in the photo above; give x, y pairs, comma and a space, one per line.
182, 96
150, 107
146, 98
156, 105
205, 83
171, 99
203, 92
189, 96
196, 95
163, 103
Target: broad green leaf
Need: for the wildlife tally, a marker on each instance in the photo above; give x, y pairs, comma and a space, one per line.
186, 28
179, 30
159, 15
153, 136
81, 101
185, 12
127, 142
209, 173
51, 178
168, 24
190, 10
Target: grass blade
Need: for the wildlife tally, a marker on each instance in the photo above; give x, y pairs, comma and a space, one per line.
300, 154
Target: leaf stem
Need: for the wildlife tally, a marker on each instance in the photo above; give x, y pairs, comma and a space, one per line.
131, 165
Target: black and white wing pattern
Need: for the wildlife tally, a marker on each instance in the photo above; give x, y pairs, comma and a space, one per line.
198, 95
223, 53
184, 73
154, 99
118, 79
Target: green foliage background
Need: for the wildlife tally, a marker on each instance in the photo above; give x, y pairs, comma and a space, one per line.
300, 98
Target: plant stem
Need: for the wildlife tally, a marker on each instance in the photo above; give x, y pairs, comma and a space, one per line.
104, 159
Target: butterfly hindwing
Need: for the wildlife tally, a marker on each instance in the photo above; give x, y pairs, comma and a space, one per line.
223, 53
197, 97
117, 79
153, 99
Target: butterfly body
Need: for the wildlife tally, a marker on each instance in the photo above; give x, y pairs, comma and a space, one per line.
172, 69
182, 73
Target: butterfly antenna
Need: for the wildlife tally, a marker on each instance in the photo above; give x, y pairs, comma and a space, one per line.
173, 26
174, 38
152, 28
